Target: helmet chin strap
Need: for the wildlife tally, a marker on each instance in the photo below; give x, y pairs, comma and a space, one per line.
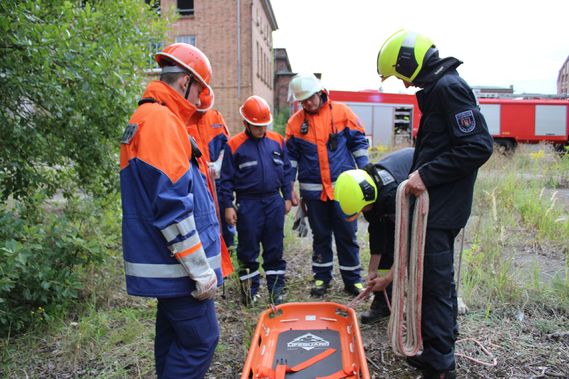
190, 82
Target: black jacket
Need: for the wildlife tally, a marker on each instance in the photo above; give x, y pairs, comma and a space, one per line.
381, 216
452, 143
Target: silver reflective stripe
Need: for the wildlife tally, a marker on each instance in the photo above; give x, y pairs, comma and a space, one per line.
327, 264
310, 187
352, 268
185, 244
214, 262
385, 176
195, 263
275, 272
278, 161
247, 164
249, 276
409, 40
294, 164
145, 270
360, 153
181, 228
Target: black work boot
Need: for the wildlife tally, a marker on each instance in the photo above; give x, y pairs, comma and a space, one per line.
276, 296
354, 289
319, 288
377, 311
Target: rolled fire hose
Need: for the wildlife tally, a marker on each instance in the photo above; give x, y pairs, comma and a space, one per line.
404, 328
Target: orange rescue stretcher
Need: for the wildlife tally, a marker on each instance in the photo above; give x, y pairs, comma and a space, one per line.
307, 340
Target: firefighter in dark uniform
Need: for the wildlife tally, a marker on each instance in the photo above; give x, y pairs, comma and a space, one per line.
452, 143
385, 176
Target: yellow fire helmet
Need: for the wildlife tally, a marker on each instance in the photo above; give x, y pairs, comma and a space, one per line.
354, 190
403, 54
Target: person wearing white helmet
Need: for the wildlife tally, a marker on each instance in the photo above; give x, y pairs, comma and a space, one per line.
324, 139
452, 143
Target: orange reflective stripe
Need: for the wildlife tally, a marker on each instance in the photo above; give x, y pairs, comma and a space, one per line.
226, 264
191, 250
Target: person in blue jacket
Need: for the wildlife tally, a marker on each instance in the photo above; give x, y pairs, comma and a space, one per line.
257, 169
170, 231
452, 143
324, 139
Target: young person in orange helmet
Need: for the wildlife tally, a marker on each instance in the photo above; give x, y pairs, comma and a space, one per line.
324, 139
171, 242
452, 143
256, 169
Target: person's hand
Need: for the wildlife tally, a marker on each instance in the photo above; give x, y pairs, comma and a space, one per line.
230, 216
288, 206
206, 285
370, 277
379, 284
415, 185
294, 198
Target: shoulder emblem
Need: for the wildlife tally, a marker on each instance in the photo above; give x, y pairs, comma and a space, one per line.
465, 121
129, 133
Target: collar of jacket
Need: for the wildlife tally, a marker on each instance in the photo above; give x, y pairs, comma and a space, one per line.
434, 69
167, 96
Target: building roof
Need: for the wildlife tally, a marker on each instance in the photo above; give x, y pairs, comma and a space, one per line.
270, 14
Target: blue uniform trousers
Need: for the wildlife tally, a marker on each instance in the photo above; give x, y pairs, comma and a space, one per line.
326, 218
186, 336
260, 221
439, 327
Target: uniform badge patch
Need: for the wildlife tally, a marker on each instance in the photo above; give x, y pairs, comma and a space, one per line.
129, 133
465, 120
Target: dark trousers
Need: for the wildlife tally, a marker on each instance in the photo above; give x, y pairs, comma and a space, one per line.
260, 221
439, 327
186, 336
326, 218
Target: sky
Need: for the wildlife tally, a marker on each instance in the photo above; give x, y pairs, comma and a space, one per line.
501, 42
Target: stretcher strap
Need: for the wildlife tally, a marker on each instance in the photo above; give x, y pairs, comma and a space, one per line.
282, 369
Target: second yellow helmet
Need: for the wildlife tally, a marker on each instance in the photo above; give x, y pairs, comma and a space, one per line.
354, 189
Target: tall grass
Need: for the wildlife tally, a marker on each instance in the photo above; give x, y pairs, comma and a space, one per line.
516, 214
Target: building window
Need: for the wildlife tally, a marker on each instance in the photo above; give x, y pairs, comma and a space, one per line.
185, 7
187, 39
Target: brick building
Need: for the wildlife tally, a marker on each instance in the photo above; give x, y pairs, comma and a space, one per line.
236, 35
283, 76
563, 79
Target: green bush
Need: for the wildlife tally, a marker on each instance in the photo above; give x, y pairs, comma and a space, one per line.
43, 255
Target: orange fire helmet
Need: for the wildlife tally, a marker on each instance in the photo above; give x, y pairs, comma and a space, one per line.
188, 58
256, 111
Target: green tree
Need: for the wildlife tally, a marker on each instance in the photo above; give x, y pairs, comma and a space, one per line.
70, 75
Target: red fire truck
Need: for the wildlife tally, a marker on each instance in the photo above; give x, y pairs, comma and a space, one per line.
394, 118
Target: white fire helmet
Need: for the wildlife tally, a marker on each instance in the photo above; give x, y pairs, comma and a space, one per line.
302, 86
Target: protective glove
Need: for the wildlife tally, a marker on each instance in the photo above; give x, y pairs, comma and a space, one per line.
300, 224
206, 285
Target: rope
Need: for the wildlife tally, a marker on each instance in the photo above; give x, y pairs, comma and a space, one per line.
404, 328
